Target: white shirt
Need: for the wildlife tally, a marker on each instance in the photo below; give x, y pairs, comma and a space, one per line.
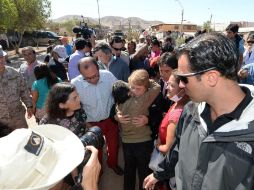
97, 99
247, 57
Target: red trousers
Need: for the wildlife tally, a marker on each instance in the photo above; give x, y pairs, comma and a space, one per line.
111, 133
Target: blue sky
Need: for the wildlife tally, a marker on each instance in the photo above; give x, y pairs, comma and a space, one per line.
195, 11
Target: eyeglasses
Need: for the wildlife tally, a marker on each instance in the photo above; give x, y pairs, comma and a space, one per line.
92, 77
184, 77
250, 42
117, 49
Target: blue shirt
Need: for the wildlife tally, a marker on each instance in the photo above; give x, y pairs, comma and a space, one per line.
68, 49
250, 78
41, 86
118, 67
73, 64
241, 46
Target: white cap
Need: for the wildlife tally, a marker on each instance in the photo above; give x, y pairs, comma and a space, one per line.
60, 50
141, 36
2, 52
38, 157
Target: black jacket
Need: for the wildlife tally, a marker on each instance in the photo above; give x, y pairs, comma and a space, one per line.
223, 160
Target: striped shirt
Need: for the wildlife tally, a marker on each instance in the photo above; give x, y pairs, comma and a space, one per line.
97, 99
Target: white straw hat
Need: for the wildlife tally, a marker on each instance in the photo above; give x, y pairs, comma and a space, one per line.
38, 157
60, 50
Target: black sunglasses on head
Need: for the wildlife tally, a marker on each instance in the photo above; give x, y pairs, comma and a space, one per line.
184, 77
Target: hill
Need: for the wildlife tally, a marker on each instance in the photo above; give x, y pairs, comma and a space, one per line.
111, 21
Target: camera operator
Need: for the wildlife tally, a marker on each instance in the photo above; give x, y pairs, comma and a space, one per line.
42, 156
85, 32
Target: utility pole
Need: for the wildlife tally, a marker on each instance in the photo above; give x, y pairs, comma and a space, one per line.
129, 20
182, 13
99, 14
210, 21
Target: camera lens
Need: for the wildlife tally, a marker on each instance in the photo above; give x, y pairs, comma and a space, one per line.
93, 137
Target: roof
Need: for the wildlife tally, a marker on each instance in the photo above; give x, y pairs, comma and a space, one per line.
174, 23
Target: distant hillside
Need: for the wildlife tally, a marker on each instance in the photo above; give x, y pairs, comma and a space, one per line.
111, 21
71, 17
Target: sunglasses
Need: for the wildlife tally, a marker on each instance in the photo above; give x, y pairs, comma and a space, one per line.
184, 77
92, 77
250, 42
117, 49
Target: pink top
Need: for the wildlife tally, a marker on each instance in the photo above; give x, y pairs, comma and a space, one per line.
155, 54
172, 115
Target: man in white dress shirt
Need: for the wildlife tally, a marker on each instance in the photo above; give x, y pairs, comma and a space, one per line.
94, 87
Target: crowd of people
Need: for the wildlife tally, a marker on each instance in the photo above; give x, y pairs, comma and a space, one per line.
184, 105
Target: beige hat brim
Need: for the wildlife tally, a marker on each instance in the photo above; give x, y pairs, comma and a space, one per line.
67, 148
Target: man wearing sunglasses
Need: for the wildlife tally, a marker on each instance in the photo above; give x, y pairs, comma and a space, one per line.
118, 49
111, 63
248, 55
215, 134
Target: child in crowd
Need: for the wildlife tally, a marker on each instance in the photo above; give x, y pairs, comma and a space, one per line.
40, 88
132, 103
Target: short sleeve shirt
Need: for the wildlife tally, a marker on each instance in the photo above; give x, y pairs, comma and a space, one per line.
172, 115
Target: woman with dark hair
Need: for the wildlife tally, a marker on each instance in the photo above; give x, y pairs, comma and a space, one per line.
44, 81
63, 108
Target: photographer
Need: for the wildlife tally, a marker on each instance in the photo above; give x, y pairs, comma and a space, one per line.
38, 154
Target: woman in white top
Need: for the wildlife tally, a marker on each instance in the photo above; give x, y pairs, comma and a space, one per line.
248, 55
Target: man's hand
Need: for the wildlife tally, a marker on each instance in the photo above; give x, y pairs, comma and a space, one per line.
91, 171
243, 73
149, 182
29, 112
140, 120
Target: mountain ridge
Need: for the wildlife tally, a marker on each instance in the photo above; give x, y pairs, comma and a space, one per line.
111, 20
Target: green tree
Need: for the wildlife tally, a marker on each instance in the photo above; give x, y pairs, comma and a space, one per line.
31, 14
8, 13
132, 35
207, 26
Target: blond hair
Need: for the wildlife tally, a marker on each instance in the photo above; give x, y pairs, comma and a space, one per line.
139, 77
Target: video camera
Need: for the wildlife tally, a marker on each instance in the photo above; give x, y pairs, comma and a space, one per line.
94, 137
83, 30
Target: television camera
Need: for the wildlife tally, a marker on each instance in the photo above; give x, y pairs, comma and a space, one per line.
83, 30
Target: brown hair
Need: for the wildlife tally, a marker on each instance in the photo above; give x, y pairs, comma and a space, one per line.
139, 77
